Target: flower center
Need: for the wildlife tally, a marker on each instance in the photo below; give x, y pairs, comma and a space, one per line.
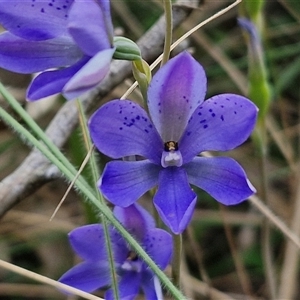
132, 262
171, 156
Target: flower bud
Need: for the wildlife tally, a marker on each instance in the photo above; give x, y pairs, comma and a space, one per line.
126, 49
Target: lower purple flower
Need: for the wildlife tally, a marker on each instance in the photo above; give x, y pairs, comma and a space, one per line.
180, 126
89, 243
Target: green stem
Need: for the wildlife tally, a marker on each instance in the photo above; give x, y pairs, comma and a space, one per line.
86, 191
177, 250
96, 175
169, 28
266, 229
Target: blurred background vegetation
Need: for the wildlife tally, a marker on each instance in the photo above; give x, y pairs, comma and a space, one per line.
223, 246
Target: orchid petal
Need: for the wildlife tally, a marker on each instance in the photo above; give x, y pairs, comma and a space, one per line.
23, 56
221, 123
135, 219
105, 8
122, 128
128, 286
174, 93
174, 200
90, 75
93, 36
123, 182
158, 245
88, 242
52, 82
222, 177
87, 276
151, 286
35, 20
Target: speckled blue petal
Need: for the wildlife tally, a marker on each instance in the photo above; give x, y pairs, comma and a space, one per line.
174, 200
221, 123
222, 177
87, 276
88, 242
23, 56
135, 219
122, 128
93, 36
128, 286
158, 245
174, 93
52, 82
123, 182
35, 19
89, 76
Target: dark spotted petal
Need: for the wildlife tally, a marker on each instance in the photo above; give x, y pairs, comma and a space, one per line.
35, 20
174, 93
221, 123
158, 244
123, 128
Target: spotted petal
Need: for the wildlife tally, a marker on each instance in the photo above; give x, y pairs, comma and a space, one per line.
174, 93
93, 36
174, 200
158, 245
123, 182
35, 20
88, 276
88, 242
122, 128
24, 56
222, 177
221, 123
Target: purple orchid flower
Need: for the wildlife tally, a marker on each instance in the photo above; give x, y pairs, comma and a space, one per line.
75, 37
182, 125
89, 243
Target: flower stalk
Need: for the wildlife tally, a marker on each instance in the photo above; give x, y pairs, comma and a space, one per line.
168, 31
176, 261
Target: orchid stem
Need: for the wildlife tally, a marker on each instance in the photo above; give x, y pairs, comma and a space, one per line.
266, 230
95, 177
177, 251
169, 28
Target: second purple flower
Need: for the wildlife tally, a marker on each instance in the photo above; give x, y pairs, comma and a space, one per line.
180, 126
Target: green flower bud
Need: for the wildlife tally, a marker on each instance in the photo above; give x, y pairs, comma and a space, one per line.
142, 74
126, 49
